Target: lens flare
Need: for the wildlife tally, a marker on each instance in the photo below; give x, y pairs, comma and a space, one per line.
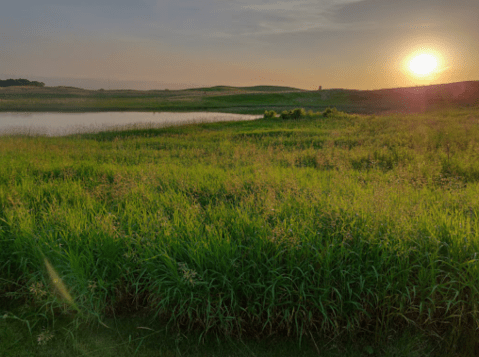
59, 285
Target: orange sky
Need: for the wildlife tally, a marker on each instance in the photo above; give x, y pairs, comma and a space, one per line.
359, 44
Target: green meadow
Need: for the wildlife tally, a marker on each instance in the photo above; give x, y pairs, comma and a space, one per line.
242, 100
310, 229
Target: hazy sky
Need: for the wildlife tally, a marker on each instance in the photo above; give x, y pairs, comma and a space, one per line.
358, 44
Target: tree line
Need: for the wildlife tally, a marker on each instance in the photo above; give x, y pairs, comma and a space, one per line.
20, 82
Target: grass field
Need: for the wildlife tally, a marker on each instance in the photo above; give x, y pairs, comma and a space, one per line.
247, 100
241, 100
323, 226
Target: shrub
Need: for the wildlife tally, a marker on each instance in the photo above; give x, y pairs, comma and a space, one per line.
293, 114
285, 115
268, 114
298, 113
329, 112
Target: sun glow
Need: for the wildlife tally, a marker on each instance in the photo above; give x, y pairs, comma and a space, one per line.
423, 64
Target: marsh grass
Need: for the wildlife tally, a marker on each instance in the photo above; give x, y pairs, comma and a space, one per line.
326, 225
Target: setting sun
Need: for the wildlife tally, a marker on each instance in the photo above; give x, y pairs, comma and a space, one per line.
423, 64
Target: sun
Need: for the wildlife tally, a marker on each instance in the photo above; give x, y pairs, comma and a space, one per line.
423, 64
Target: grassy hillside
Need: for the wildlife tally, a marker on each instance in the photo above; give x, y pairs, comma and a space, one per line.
248, 100
244, 100
356, 225
254, 89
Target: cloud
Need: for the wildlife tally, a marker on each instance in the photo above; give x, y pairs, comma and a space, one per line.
405, 13
272, 17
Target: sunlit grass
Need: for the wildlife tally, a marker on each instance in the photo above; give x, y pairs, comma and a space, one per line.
329, 224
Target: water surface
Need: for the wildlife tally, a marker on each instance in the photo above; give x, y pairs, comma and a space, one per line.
58, 124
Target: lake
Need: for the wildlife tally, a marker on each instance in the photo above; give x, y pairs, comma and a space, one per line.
59, 124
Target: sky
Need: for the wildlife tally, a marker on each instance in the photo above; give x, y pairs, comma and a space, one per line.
158, 44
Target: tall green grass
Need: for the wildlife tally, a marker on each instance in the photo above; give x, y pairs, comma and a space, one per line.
328, 224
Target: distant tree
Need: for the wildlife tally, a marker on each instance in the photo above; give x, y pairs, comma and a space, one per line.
38, 84
20, 82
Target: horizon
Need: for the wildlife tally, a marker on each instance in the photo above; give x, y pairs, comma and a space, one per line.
117, 85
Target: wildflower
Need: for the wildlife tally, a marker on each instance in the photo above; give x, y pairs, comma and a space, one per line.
92, 286
37, 290
189, 275
44, 337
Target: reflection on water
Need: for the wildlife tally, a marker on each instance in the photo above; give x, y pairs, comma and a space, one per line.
58, 124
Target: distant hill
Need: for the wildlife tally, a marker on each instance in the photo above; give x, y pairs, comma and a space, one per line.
248, 89
20, 82
245, 100
270, 89
416, 99
406, 99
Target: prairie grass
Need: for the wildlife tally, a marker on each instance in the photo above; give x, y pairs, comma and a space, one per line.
346, 223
